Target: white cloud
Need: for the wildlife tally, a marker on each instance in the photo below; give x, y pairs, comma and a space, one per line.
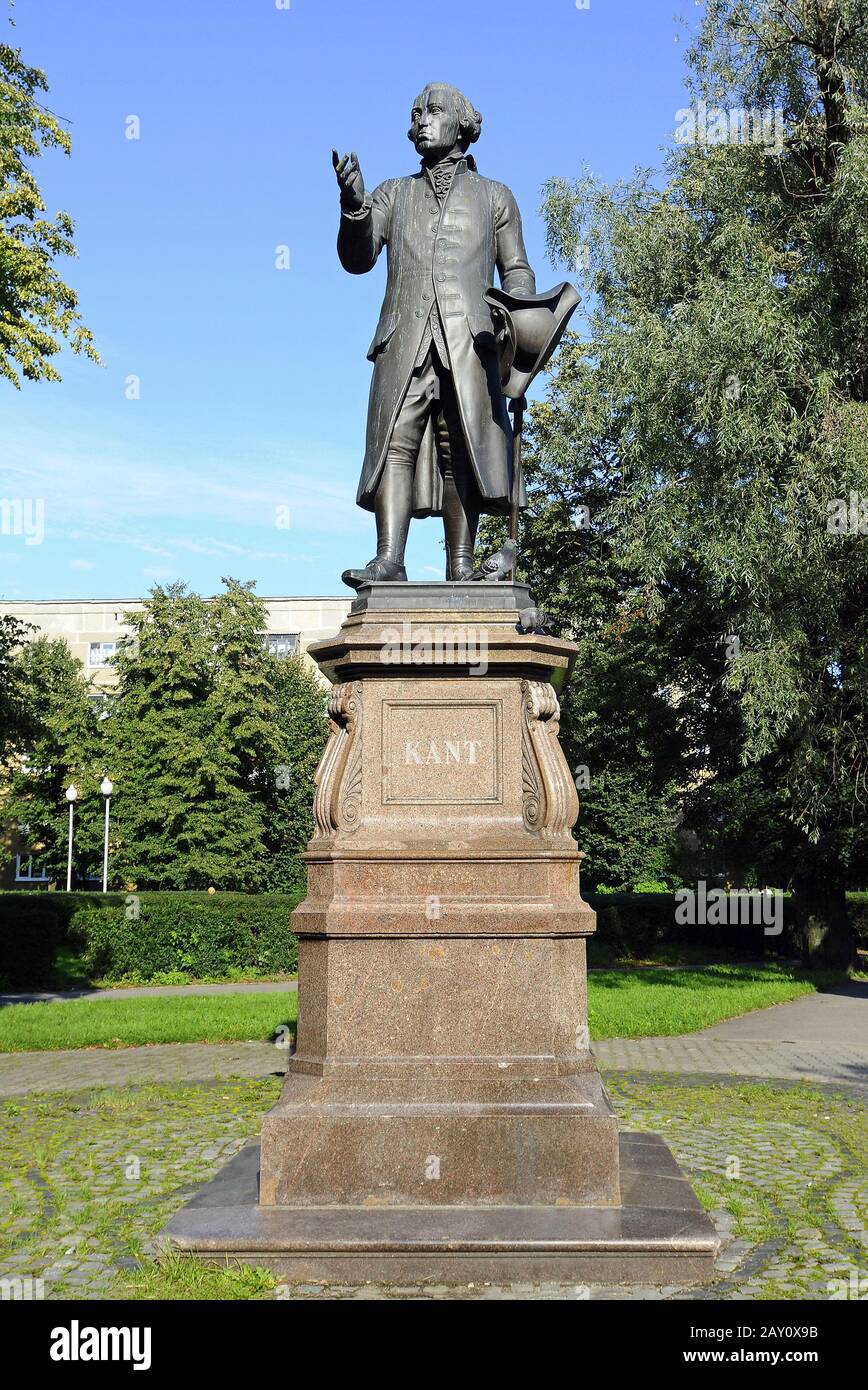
108, 497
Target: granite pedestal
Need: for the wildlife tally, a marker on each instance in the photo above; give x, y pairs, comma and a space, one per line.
443, 1115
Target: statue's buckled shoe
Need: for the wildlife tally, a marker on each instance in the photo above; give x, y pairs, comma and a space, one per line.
375, 570
459, 566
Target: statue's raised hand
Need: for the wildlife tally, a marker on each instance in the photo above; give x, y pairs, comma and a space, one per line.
350, 181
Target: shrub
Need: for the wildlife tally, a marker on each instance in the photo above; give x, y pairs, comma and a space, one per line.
174, 936
190, 934
633, 924
858, 908
30, 933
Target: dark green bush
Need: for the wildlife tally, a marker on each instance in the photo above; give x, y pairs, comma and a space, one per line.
154, 933
146, 934
858, 905
633, 924
197, 935
30, 934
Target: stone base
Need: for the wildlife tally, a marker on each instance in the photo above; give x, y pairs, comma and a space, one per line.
372, 1137
659, 1235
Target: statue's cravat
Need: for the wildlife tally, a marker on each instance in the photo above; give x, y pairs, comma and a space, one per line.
441, 176
443, 173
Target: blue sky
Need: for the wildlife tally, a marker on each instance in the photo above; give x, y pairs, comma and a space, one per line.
253, 379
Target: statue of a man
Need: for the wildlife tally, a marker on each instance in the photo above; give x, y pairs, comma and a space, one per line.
439, 441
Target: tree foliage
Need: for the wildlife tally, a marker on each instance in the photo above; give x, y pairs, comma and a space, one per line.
212, 788
211, 744
37, 309
12, 700
717, 413
58, 744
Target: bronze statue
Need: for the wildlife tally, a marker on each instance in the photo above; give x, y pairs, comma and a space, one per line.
439, 439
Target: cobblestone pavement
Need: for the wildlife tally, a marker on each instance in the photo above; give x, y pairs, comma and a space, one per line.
810, 1061
87, 1177
23, 1072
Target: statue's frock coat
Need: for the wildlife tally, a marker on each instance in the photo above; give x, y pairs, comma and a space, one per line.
444, 255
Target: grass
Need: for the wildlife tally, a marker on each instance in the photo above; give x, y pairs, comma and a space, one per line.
622, 1003
651, 1002
137, 1022
184, 1277
69, 972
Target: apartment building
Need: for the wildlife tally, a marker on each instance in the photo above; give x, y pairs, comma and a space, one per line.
92, 628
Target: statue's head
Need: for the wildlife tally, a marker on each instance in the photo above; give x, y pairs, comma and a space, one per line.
442, 118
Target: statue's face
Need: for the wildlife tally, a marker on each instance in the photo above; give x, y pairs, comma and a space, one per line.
434, 124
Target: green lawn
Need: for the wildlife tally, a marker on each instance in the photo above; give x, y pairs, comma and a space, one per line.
662, 1003
131, 1022
632, 1003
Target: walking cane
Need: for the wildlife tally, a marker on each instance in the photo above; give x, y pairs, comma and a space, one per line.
517, 407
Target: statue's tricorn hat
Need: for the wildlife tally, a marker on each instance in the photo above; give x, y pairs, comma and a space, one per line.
529, 328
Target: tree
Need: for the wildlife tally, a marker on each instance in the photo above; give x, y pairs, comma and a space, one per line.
274, 712
626, 742
300, 724
12, 701
59, 743
184, 817
37, 309
202, 740
724, 389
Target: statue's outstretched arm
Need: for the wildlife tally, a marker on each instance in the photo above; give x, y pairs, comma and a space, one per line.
363, 234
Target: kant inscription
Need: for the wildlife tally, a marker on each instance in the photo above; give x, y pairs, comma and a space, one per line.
452, 751
440, 752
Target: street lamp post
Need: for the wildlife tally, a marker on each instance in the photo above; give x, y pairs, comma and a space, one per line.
72, 797
106, 787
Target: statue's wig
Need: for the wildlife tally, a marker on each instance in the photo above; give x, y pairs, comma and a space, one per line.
469, 119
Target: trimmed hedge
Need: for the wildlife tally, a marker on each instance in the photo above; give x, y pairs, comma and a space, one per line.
630, 924
201, 935
858, 905
30, 935
143, 935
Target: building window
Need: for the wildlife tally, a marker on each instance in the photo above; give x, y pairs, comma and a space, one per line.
280, 644
29, 870
101, 653
101, 705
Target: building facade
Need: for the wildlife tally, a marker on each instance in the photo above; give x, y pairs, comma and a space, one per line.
92, 628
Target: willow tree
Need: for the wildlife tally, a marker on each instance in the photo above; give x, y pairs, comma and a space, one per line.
719, 407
